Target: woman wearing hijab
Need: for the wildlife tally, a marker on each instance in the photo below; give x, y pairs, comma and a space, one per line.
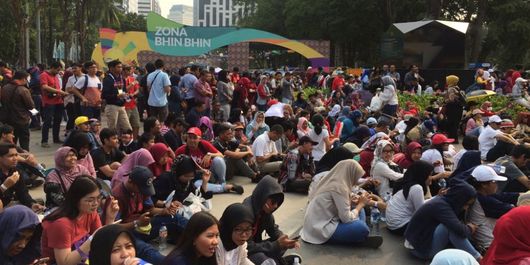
19, 236
302, 127
389, 96
361, 134
383, 168
519, 93
412, 154
454, 106
436, 224
140, 157
113, 245
409, 198
236, 228
162, 156
330, 215
511, 243
257, 126
60, 179
81, 143
453, 257
205, 124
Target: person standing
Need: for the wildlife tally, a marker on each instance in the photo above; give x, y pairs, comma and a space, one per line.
52, 103
133, 89
203, 91
287, 89
88, 90
159, 87
225, 89
16, 102
186, 86
71, 102
114, 95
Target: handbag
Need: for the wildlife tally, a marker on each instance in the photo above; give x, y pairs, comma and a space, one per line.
194, 203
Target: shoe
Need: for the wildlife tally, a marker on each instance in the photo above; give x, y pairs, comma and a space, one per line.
238, 189
44, 145
372, 242
290, 259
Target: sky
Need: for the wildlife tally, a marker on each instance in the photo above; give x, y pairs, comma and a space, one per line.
165, 5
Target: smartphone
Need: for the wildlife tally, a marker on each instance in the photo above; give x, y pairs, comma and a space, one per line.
41, 261
294, 237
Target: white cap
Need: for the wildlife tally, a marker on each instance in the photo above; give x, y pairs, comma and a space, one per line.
495, 119
371, 121
433, 157
486, 173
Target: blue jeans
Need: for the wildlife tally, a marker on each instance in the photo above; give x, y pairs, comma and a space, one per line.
350, 233
91, 112
441, 238
147, 252
52, 114
217, 184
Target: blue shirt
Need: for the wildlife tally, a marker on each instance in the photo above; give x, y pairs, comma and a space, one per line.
186, 85
157, 96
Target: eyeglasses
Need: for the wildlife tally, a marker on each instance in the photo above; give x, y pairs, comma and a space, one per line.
241, 231
93, 200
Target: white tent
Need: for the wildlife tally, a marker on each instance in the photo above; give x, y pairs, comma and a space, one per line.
410, 26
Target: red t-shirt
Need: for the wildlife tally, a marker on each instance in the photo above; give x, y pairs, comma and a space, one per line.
132, 103
199, 153
64, 232
52, 81
337, 83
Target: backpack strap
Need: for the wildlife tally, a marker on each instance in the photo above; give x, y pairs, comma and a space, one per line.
63, 186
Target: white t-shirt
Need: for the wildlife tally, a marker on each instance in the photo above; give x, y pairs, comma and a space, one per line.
382, 172
263, 145
486, 140
457, 157
399, 210
320, 149
71, 83
432, 156
92, 82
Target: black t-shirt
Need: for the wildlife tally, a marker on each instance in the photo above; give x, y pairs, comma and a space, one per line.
100, 158
224, 146
173, 140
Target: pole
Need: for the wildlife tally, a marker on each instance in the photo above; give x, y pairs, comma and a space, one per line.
27, 35
37, 17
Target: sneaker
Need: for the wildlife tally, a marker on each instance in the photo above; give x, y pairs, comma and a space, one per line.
238, 189
44, 145
289, 259
373, 242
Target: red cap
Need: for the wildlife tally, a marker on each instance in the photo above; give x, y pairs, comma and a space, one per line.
441, 139
272, 102
195, 130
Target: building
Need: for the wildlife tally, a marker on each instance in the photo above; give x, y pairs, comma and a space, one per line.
217, 13
146, 6
181, 14
127, 6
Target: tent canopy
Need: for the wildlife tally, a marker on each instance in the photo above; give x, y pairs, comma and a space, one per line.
410, 26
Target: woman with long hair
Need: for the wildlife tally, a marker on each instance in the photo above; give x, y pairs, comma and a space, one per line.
321, 136
198, 244
67, 231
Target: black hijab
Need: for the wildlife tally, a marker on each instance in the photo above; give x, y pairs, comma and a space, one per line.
233, 215
101, 245
417, 173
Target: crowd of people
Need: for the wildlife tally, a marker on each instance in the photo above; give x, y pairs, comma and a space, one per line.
172, 140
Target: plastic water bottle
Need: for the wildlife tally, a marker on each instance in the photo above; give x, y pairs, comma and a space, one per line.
375, 217
296, 261
162, 234
386, 197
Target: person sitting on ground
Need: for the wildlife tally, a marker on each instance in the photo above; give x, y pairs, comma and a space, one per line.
20, 235
489, 136
409, 196
333, 215
61, 178
13, 187
127, 142
234, 153
298, 167
198, 242
257, 126
412, 153
474, 125
383, 169
153, 126
469, 143
194, 115
208, 157
368, 147
489, 205
173, 136
107, 158
502, 148
264, 148
163, 158
435, 224
205, 124
82, 124
435, 154
140, 157
95, 128
114, 245
453, 256
236, 227
321, 136
515, 164
66, 232
81, 144
146, 140
302, 129
239, 133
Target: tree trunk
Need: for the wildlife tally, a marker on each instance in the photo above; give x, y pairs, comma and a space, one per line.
476, 31
67, 31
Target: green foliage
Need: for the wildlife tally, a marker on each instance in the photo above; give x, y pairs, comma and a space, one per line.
132, 22
308, 91
421, 101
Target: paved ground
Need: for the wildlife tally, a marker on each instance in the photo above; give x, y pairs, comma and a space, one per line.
290, 219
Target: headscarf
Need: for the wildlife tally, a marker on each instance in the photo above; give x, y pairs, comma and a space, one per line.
158, 150
332, 157
233, 215
361, 133
13, 220
140, 157
458, 195
453, 257
388, 81
340, 179
78, 141
511, 241
334, 111
65, 175
451, 80
378, 152
406, 159
103, 241
345, 113
417, 173
301, 121
354, 115
208, 135
262, 126
469, 160
518, 87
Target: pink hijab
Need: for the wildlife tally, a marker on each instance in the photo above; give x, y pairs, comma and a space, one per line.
140, 157
208, 135
63, 175
301, 122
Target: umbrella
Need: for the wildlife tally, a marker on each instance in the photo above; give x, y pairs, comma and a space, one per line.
478, 94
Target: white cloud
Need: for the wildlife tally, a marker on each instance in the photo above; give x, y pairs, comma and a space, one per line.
165, 5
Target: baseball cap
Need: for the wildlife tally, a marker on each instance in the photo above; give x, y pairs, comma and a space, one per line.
371, 121
486, 173
495, 119
441, 139
143, 178
195, 130
507, 123
306, 139
80, 120
477, 111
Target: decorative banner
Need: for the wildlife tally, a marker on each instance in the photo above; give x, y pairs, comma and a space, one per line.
170, 38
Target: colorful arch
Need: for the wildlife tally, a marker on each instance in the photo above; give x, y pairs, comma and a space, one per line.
170, 38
